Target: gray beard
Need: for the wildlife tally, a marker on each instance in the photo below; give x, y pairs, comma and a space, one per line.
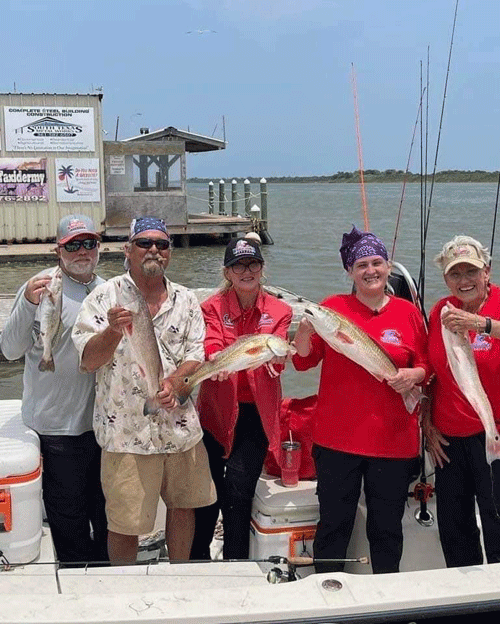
152, 268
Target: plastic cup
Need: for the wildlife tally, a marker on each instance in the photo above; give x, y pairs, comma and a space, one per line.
290, 463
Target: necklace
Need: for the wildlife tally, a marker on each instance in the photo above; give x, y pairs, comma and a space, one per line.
86, 284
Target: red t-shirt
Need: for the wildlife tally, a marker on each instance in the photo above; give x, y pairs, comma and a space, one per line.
452, 413
356, 413
218, 401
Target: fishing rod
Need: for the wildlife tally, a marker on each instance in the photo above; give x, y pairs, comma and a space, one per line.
428, 210
419, 112
360, 151
494, 220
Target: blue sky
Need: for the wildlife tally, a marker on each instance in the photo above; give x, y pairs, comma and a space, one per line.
278, 70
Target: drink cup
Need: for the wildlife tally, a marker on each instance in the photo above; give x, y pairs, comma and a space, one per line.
290, 463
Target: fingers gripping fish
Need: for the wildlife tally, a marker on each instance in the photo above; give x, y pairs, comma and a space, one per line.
464, 370
347, 338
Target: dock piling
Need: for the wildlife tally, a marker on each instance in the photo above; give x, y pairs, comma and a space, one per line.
222, 197
246, 192
210, 197
234, 199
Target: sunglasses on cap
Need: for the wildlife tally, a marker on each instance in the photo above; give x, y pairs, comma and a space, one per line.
161, 244
75, 245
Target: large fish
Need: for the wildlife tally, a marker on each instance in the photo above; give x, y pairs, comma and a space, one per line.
142, 340
464, 370
247, 353
50, 320
347, 338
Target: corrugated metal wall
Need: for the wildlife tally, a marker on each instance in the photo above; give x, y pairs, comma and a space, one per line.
37, 220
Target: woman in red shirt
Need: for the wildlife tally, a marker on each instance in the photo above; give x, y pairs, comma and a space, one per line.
455, 435
362, 431
239, 412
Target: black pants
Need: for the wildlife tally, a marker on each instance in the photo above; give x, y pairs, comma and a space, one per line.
73, 498
386, 483
235, 480
459, 484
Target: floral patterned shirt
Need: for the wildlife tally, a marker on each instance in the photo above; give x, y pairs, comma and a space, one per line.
121, 390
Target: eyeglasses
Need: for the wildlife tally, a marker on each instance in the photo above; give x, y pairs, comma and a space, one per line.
75, 245
146, 243
239, 268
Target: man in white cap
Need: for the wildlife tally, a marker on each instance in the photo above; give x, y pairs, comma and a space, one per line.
58, 399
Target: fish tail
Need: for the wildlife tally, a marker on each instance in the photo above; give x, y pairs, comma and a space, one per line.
492, 448
47, 364
151, 407
412, 398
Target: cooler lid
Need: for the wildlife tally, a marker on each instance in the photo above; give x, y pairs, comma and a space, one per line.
19, 445
273, 499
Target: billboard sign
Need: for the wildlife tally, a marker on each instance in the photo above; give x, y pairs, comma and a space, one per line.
49, 129
23, 180
77, 180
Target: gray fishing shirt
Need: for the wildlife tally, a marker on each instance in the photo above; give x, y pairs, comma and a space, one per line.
59, 402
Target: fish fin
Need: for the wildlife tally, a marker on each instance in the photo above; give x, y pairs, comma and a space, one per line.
493, 447
411, 399
47, 365
151, 407
343, 337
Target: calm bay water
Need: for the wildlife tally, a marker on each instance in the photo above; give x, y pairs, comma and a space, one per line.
306, 222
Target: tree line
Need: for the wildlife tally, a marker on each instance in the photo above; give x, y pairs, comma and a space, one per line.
373, 175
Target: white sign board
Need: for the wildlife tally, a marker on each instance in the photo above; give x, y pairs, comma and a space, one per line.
117, 165
77, 180
49, 129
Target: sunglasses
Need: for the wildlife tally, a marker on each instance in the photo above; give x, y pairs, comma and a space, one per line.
75, 245
146, 243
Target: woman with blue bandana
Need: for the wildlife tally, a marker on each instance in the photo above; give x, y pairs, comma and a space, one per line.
362, 431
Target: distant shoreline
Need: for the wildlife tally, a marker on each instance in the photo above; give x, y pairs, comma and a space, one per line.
370, 175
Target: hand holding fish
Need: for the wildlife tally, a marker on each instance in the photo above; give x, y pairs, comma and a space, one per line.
434, 442
166, 397
36, 287
302, 340
276, 361
222, 375
406, 379
119, 318
459, 321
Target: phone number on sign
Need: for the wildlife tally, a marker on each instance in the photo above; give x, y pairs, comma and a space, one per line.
9, 198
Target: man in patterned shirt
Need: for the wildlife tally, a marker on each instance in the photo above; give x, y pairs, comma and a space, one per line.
146, 456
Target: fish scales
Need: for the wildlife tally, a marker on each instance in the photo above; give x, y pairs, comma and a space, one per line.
464, 370
347, 338
50, 320
247, 353
142, 340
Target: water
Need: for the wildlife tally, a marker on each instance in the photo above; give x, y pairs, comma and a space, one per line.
306, 222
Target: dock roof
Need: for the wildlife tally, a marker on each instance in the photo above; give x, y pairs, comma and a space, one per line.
194, 142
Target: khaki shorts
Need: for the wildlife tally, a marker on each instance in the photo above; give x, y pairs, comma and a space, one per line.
132, 485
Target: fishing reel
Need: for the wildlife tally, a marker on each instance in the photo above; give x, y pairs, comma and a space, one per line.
277, 575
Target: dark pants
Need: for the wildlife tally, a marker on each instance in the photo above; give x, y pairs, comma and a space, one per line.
73, 498
386, 483
235, 480
459, 484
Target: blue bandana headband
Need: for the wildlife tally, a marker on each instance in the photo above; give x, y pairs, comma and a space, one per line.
143, 224
357, 244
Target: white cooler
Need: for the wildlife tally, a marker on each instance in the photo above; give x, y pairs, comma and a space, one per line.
283, 519
20, 486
